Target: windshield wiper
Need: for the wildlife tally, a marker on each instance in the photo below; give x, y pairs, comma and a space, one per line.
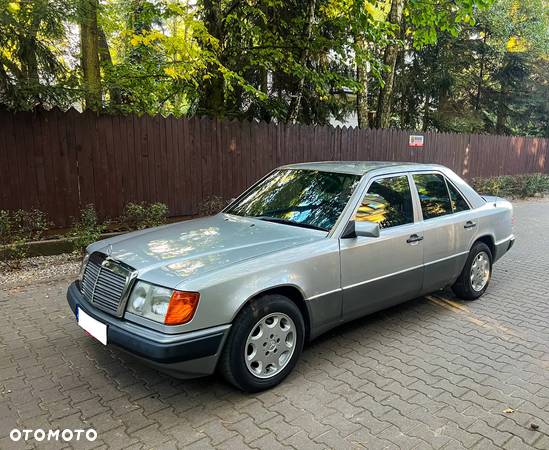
290, 222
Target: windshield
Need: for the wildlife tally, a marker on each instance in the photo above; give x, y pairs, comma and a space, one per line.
307, 198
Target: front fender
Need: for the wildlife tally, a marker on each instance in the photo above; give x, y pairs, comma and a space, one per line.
312, 268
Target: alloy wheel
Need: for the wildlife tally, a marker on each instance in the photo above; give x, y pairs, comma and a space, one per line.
480, 271
270, 345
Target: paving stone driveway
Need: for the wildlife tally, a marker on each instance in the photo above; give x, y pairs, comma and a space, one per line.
435, 372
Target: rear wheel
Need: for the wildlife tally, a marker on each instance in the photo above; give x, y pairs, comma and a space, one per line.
264, 344
475, 276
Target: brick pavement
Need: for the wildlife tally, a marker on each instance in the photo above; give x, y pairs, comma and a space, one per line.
433, 373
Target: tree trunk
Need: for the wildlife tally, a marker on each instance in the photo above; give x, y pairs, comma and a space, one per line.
29, 68
362, 79
481, 72
501, 117
264, 113
29, 63
295, 104
89, 54
212, 98
106, 61
425, 124
383, 113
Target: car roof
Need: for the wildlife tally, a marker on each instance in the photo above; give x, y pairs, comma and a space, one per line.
354, 167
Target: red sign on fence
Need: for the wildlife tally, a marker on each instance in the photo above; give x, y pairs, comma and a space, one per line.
415, 140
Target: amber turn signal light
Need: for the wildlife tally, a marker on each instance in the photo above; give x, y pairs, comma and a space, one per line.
181, 308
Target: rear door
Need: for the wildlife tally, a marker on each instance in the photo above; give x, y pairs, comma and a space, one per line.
465, 222
379, 272
446, 220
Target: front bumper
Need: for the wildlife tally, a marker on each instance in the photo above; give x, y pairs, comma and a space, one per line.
182, 355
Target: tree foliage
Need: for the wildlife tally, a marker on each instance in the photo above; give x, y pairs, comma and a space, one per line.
492, 77
461, 65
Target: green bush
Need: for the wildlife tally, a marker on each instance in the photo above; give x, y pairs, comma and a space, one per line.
212, 205
513, 186
138, 216
87, 229
5, 225
17, 229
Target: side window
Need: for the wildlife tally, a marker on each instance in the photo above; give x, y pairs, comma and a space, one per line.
458, 202
433, 195
388, 202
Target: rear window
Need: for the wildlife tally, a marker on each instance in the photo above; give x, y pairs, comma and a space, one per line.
433, 195
458, 202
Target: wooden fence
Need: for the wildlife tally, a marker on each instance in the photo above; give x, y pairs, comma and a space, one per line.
60, 161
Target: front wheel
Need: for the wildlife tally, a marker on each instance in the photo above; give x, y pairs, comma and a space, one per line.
475, 276
264, 344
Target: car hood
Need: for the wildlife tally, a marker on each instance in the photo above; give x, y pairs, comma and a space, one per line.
171, 254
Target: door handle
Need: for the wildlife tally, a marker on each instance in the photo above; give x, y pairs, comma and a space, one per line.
414, 238
469, 224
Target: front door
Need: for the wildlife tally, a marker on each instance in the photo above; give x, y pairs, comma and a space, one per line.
379, 272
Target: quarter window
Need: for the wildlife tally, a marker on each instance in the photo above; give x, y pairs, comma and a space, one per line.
458, 202
388, 202
433, 195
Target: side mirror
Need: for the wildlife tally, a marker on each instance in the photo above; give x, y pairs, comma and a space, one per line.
365, 229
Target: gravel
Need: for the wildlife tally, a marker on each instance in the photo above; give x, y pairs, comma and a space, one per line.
40, 268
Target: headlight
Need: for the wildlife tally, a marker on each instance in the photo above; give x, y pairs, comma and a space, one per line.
162, 304
83, 266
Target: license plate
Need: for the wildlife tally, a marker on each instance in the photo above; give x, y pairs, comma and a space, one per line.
95, 328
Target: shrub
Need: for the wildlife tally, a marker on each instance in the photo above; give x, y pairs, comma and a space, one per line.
87, 229
17, 230
144, 215
5, 225
212, 205
513, 186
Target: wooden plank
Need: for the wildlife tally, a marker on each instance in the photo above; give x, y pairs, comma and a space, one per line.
217, 156
29, 181
171, 180
9, 171
185, 160
147, 163
195, 148
86, 151
206, 158
54, 155
67, 125
5, 192
109, 167
127, 176
116, 165
184, 196
163, 182
138, 152
18, 161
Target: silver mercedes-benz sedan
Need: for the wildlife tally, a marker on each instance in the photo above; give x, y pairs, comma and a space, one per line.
308, 247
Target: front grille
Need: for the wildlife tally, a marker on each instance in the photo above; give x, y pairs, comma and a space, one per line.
104, 287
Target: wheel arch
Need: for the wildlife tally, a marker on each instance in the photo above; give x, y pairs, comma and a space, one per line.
489, 240
294, 294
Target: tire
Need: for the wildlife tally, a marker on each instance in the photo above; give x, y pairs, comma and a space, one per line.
254, 360
467, 286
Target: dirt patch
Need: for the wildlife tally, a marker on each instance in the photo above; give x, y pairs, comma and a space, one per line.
40, 269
